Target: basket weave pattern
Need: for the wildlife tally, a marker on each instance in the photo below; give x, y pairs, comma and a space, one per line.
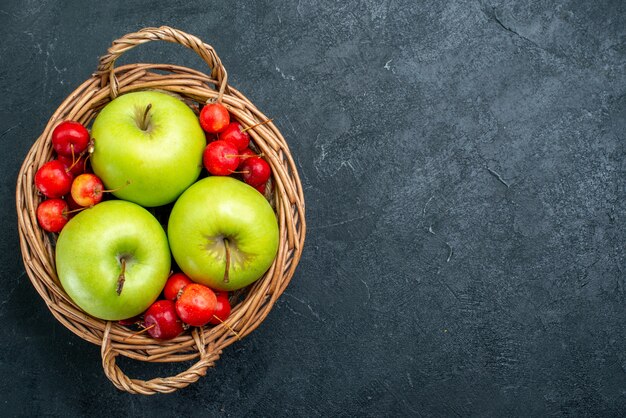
252, 304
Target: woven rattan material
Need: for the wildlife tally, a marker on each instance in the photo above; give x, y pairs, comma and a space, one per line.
253, 304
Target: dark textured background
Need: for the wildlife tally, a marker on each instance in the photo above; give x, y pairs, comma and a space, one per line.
463, 167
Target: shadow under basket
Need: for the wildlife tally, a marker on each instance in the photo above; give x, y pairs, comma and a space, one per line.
250, 305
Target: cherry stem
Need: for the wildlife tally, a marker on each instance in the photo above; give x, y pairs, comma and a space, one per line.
227, 249
121, 278
85, 163
116, 189
67, 212
258, 124
144, 119
243, 155
76, 160
139, 332
228, 326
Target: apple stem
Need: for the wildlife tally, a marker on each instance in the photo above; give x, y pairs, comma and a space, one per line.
239, 172
227, 249
228, 326
258, 124
121, 278
144, 120
139, 332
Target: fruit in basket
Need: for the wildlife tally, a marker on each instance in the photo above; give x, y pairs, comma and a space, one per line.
255, 171
87, 190
214, 117
222, 309
161, 320
246, 153
70, 138
220, 158
174, 285
113, 259
76, 165
53, 179
152, 141
73, 206
196, 305
52, 214
236, 135
223, 233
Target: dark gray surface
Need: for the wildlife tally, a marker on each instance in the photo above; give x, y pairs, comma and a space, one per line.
463, 166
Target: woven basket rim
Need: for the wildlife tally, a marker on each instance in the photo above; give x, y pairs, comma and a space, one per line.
192, 86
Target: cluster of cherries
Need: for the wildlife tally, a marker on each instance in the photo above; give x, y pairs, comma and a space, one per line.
65, 181
185, 304
230, 152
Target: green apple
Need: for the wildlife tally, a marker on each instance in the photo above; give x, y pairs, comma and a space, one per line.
113, 259
148, 145
223, 233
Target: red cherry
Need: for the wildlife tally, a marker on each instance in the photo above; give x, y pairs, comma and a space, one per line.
87, 190
255, 171
247, 152
53, 180
70, 135
72, 204
75, 167
244, 155
222, 309
220, 158
129, 321
214, 117
235, 135
196, 304
210, 137
52, 214
175, 283
161, 320
261, 188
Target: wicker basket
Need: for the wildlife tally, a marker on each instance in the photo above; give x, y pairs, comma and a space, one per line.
252, 304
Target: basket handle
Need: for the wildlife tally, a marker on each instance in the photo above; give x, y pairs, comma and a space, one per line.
159, 384
163, 33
